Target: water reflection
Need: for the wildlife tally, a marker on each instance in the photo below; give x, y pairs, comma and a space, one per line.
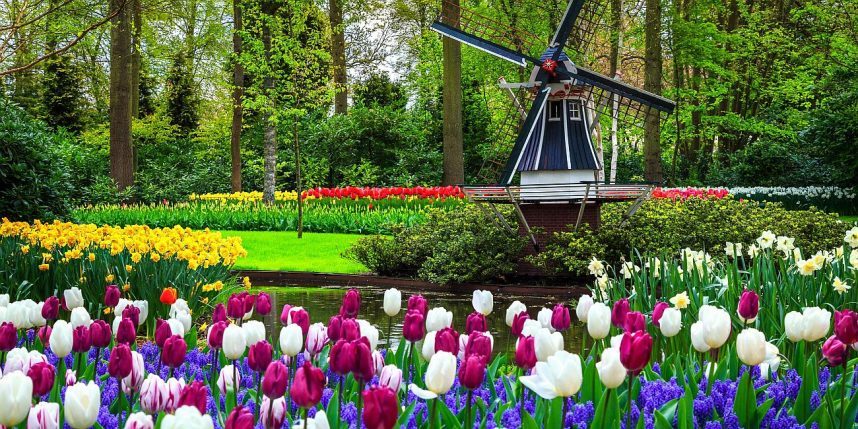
324, 302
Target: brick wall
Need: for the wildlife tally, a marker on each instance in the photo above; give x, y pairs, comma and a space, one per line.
546, 219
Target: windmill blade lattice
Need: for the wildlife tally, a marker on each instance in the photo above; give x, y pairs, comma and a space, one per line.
503, 136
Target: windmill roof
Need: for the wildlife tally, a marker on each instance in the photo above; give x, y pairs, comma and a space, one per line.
550, 51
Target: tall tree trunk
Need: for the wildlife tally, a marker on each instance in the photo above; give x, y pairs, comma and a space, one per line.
237, 95
121, 149
652, 83
454, 162
338, 56
136, 57
270, 133
616, 45
298, 185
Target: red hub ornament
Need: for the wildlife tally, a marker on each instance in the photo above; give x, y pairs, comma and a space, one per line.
549, 66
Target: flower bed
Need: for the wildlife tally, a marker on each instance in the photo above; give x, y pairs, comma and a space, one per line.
828, 198
675, 342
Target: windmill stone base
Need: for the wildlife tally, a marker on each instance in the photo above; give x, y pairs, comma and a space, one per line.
545, 219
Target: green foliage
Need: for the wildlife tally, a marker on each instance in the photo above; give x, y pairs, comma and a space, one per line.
833, 133
34, 181
449, 247
378, 90
182, 99
62, 93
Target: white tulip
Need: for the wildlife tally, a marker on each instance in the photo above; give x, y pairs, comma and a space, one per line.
794, 326
671, 322
80, 317
427, 350
19, 359
16, 392
4, 300
599, 321
36, 319
18, 313
772, 361
272, 413
73, 297
184, 318
291, 340
44, 415
234, 342
370, 332
616, 340
61, 338
254, 332
153, 394
751, 347
583, 307
513, 309
698, 337
318, 422
143, 306
544, 318
139, 420
227, 379
392, 302
716, 325
82, 404
134, 380
187, 417
611, 371
177, 327
180, 306
816, 323
529, 328
438, 318
560, 376
439, 376
546, 344
483, 302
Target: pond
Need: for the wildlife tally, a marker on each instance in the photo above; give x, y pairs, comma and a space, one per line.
324, 302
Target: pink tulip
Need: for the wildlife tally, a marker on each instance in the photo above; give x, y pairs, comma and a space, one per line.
518, 323
472, 372
275, 379
634, 321
317, 337
476, 322
351, 304
363, 366
174, 351
618, 313
99, 332
525, 353
239, 418
259, 355
120, 362
447, 340
635, 351
835, 351
749, 305
414, 326
846, 326
263, 303
111, 296
560, 318
306, 390
417, 302
194, 395
658, 311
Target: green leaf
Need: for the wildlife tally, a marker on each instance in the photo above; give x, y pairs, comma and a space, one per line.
607, 413
555, 414
333, 411
447, 417
527, 421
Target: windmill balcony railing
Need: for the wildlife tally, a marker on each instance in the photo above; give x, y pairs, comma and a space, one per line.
562, 192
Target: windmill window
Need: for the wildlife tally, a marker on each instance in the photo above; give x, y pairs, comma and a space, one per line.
575, 111
555, 111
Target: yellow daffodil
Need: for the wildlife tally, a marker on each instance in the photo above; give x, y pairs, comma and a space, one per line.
840, 286
44, 267
680, 300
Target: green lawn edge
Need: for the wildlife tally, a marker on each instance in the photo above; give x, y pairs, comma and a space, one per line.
284, 251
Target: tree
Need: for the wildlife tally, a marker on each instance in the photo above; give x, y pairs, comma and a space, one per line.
379, 91
338, 55
62, 94
652, 83
237, 95
121, 149
182, 100
454, 161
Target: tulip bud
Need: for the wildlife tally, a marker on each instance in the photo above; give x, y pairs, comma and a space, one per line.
44, 334
846, 326
227, 379
219, 314
133, 313
635, 351
749, 306
599, 321
670, 322
611, 371
263, 303
120, 362
618, 313
514, 309
275, 379
438, 318
483, 302
194, 395
259, 356
81, 340
413, 326
175, 349
51, 308
816, 323
42, 375
8, 337
751, 347
634, 321
698, 337
381, 408
794, 326
658, 312
417, 302
235, 307
439, 376
560, 318
44, 415
234, 342
111, 296
306, 389
99, 332
291, 340
391, 376
239, 418
472, 372
73, 298
350, 329
583, 307
162, 332
153, 394
546, 344
341, 357
835, 351
81, 406
716, 326
476, 322
71, 377
139, 421
447, 339
525, 353
133, 382
518, 323
273, 413
299, 316
351, 304
363, 366
392, 302
317, 337
543, 317
254, 331
214, 337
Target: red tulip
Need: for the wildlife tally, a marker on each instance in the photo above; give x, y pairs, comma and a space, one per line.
658, 311
525, 353
363, 367
846, 326
99, 333
560, 318
749, 305
173, 353
635, 351
301, 318
169, 296
417, 302
275, 379
351, 304
341, 357
618, 313
259, 355
131, 312
51, 308
381, 408
194, 395
350, 330
518, 323
414, 326
835, 351
43, 375
215, 335
119, 365
240, 418
479, 344
634, 321
306, 390
447, 340
81, 340
8, 336
472, 372
162, 332
111, 296
219, 314
263, 303
476, 322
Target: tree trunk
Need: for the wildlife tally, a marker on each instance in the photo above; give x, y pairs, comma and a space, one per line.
237, 94
616, 45
652, 83
121, 150
270, 135
299, 189
136, 57
338, 56
454, 162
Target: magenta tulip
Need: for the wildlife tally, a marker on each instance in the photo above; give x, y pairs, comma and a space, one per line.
479, 344
635, 351
525, 353
126, 332
215, 335
259, 355
335, 325
658, 311
417, 302
301, 318
99, 332
44, 334
240, 418
472, 372
219, 314
414, 325
846, 326
447, 340
275, 380
749, 305
8, 337
174, 351
263, 303
194, 395
351, 304
51, 308
133, 313
111, 296
518, 323
162, 332
634, 321
81, 340
341, 357
835, 351
119, 365
235, 307
42, 374
284, 314
363, 366
306, 390
249, 301
476, 322
560, 318
381, 408
618, 313
350, 330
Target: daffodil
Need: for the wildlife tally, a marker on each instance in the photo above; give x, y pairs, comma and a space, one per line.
840, 286
680, 300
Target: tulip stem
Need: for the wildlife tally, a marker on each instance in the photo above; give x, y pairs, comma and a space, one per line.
258, 404
360, 403
389, 332
629, 404
234, 382
843, 392
306, 411
714, 356
432, 408
468, 409
340, 396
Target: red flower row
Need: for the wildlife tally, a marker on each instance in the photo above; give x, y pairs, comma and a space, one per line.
387, 192
684, 194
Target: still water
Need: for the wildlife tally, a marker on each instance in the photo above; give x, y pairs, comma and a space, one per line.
324, 302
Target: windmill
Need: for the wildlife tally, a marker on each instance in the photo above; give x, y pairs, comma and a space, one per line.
553, 155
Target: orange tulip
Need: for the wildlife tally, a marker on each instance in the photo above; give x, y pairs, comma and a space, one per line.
169, 295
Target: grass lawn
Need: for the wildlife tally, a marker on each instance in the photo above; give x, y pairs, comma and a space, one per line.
282, 251
849, 219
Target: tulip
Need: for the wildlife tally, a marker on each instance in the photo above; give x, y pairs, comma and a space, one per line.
99, 333
168, 296
560, 376
307, 387
180, 306
392, 302
611, 371
351, 304
560, 318
126, 333
273, 413
749, 306
263, 303
44, 334
582, 309
162, 332
476, 322
228, 379
291, 340
73, 298
349, 329
714, 325
417, 302
174, 394
175, 349
438, 318
635, 351
658, 312
698, 337
249, 303
318, 422
254, 331
235, 307
483, 302
599, 321
195, 395
428, 348
42, 375
363, 367
8, 337
751, 347
543, 317
133, 313
153, 394
670, 322
634, 321
546, 344
214, 337
368, 331
4, 300
341, 357
44, 415
234, 342
299, 316
619, 311
478, 344
259, 356
794, 326
515, 308
71, 377
81, 405
317, 337
439, 376
846, 326
120, 362
51, 308
133, 382
81, 340
275, 379
816, 323
184, 318
20, 360
413, 326
16, 392
80, 317
284, 314
239, 418
18, 313
187, 418
835, 351
447, 339
518, 323
219, 314
381, 408
525, 353
139, 421
36, 319
771, 362
391, 376
111, 296
472, 372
